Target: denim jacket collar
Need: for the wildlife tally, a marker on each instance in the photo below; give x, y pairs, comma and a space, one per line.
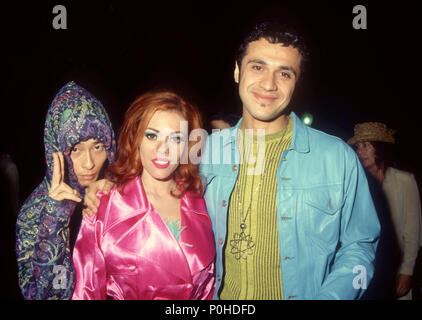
300, 137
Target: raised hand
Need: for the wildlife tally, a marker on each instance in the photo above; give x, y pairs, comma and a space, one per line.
59, 190
91, 201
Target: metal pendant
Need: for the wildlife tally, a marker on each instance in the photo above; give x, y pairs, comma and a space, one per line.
242, 245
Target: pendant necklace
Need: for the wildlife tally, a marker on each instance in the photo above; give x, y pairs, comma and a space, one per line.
243, 244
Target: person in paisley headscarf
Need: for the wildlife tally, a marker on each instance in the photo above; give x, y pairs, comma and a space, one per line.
79, 142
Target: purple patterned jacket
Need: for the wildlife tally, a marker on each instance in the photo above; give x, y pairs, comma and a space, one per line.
42, 230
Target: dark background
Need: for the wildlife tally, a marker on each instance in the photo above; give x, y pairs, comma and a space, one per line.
120, 49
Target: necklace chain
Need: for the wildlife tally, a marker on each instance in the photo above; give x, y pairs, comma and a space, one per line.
242, 244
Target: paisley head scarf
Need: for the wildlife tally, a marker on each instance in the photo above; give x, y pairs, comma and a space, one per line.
42, 232
75, 115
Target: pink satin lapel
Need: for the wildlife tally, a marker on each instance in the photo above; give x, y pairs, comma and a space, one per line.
89, 262
196, 234
148, 237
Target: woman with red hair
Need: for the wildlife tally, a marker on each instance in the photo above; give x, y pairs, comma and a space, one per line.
152, 237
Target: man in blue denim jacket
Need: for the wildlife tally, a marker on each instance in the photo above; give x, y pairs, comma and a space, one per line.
325, 224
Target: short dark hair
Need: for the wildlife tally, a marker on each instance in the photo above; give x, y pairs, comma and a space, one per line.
273, 32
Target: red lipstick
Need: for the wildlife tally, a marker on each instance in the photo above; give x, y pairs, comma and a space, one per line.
161, 163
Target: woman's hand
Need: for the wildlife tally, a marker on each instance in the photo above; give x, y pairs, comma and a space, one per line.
91, 201
59, 190
403, 284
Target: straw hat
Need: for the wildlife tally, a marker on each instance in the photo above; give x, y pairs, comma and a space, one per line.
372, 131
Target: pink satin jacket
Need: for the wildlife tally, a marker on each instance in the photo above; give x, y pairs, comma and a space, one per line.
128, 252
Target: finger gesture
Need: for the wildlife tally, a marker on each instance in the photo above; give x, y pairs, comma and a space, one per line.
91, 201
59, 190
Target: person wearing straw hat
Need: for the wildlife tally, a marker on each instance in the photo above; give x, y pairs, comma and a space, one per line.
373, 142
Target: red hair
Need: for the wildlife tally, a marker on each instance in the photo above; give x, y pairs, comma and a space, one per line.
128, 163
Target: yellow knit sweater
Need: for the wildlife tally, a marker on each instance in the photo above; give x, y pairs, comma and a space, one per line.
252, 258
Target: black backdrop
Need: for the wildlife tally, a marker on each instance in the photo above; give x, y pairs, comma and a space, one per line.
118, 50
